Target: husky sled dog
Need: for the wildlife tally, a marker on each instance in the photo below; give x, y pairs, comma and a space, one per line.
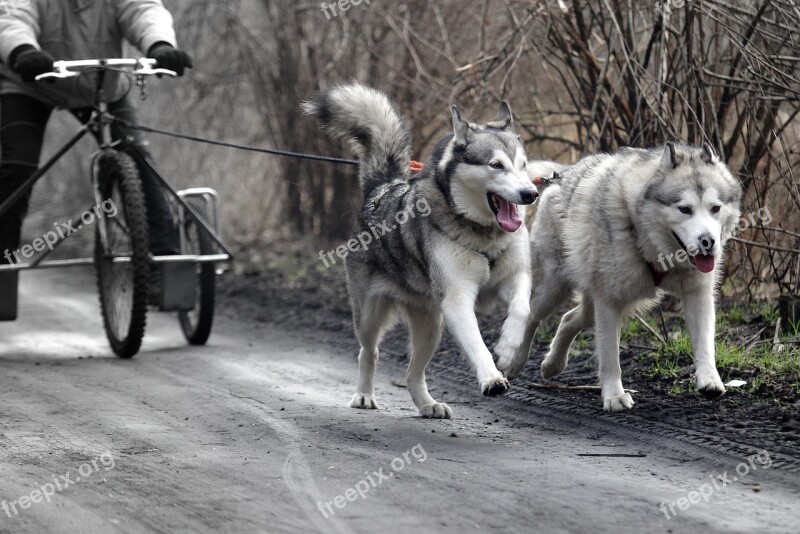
620, 231
472, 248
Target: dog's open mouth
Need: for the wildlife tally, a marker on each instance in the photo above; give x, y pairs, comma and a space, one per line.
703, 262
505, 212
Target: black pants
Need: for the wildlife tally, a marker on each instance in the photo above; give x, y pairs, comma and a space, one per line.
22, 123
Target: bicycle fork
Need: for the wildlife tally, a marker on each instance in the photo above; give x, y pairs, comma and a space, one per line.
102, 120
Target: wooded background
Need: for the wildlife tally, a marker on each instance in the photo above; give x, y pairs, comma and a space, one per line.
581, 76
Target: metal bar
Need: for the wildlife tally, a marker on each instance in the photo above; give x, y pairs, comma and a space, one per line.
190, 258
212, 206
199, 220
179, 258
206, 193
114, 62
37, 260
26, 186
48, 264
82, 262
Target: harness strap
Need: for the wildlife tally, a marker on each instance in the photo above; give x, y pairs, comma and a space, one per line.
658, 277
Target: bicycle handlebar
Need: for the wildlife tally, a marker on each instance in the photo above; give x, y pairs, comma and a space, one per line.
140, 67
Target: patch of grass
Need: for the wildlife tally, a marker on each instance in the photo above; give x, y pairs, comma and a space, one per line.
765, 371
793, 328
581, 342
763, 368
768, 313
669, 359
677, 388
631, 330
734, 315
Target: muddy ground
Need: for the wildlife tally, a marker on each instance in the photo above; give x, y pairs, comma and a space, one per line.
252, 433
300, 296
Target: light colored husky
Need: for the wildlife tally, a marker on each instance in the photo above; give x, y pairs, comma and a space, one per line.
469, 249
620, 231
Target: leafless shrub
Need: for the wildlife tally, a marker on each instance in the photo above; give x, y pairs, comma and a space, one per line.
582, 76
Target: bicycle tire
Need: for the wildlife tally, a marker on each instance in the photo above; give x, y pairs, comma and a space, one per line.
123, 287
197, 323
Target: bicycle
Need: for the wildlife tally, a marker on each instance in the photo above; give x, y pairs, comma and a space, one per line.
121, 252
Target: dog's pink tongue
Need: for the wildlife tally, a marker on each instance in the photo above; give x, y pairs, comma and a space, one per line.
703, 262
507, 215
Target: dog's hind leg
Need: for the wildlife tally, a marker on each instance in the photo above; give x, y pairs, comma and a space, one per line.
547, 295
425, 329
698, 311
371, 321
575, 320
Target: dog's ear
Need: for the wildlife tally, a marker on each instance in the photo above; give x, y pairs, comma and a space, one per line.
709, 155
671, 158
503, 119
460, 127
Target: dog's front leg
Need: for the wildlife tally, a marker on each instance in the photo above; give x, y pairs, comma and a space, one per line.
458, 307
518, 295
608, 320
698, 311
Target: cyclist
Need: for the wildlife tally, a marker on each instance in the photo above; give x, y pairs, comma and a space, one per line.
33, 34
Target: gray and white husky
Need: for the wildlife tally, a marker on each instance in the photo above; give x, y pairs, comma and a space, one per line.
470, 251
621, 230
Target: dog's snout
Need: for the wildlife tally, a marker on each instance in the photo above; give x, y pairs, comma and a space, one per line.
528, 196
706, 243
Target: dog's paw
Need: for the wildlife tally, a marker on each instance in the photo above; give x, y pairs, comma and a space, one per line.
709, 384
505, 351
364, 401
495, 386
508, 368
618, 403
437, 410
552, 366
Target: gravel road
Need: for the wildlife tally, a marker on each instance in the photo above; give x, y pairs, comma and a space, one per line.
252, 434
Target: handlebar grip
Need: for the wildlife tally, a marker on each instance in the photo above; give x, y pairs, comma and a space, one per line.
56, 75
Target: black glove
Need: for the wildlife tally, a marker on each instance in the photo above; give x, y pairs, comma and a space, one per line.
29, 62
170, 58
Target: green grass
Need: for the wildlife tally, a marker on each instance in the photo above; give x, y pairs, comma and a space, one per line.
734, 315
766, 371
766, 367
793, 328
668, 360
769, 313
763, 369
631, 330
581, 342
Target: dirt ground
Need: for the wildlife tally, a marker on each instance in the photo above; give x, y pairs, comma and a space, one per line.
252, 434
296, 297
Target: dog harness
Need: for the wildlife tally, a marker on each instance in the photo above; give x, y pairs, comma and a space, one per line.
658, 277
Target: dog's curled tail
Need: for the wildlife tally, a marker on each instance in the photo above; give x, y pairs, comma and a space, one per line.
543, 171
369, 121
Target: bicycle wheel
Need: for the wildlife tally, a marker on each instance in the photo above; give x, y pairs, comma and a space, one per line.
196, 323
122, 284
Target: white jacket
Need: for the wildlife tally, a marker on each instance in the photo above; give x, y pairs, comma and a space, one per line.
78, 29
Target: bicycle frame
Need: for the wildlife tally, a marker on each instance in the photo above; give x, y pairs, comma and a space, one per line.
100, 123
